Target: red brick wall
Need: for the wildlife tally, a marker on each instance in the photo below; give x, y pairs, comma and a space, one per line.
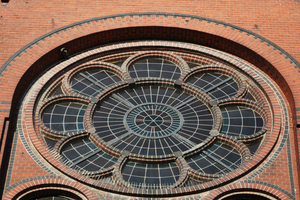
24, 166
25, 20
22, 21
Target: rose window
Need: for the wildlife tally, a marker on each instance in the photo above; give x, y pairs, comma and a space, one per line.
152, 121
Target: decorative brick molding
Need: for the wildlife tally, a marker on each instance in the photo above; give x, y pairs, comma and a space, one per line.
256, 49
50, 184
247, 164
240, 39
253, 188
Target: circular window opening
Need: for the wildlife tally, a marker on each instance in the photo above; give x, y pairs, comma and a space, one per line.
152, 123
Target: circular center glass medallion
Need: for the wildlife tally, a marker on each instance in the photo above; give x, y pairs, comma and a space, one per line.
153, 120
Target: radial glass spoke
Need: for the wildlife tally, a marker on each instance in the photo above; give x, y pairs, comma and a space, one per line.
198, 121
108, 119
240, 121
154, 68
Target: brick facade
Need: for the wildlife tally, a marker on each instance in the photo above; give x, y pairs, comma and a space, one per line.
263, 33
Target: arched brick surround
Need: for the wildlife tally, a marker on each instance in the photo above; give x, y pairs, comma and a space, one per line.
39, 55
249, 188
50, 183
44, 51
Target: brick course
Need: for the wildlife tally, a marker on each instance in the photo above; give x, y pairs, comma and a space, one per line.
23, 21
24, 166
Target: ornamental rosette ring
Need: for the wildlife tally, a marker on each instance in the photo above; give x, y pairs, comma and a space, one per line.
152, 118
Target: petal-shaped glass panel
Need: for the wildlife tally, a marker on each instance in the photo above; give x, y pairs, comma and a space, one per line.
240, 121
64, 116
217, 85
82, 154
92, 81
154, 68
217, 159
108, 119
150, 176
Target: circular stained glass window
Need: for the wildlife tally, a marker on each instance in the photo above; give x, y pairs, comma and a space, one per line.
152, 120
